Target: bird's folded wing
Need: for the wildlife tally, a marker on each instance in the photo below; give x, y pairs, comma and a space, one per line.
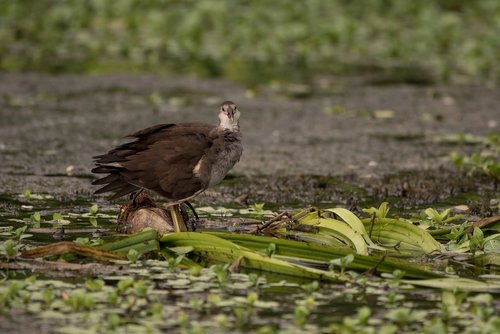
172, 163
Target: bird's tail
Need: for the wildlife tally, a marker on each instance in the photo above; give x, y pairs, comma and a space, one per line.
114, 181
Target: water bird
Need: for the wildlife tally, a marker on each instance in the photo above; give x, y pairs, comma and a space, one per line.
177, 161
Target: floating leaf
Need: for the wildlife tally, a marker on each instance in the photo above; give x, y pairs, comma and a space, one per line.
132, 255
476, 241
93, 209
94, 284
36, 217
93, 221
356, 224
390, 230
337, 229
27, 194
384, 114
380, 212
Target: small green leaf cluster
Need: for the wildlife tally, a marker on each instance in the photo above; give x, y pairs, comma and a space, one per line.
486, 161
11, 247
433, 217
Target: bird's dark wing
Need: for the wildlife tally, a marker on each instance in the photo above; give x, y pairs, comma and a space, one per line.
144, 137
162, 158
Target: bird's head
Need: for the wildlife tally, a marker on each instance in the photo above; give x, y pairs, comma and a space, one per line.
229, 116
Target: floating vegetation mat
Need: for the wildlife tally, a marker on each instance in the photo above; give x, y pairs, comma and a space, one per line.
331, 271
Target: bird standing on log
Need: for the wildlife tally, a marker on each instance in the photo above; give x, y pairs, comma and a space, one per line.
177, 161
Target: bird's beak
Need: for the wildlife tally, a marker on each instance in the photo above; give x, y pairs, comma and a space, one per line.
230, 114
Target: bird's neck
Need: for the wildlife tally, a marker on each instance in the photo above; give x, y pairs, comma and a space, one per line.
226, 125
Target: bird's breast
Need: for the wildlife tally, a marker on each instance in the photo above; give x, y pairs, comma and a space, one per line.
225, 159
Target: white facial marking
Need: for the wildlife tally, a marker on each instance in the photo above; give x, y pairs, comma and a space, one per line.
225, 122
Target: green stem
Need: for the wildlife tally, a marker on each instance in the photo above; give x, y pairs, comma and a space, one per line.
132, 240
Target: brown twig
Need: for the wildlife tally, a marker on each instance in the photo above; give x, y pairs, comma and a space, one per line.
60, 269
372, 222
71, 247
269, 222
483, 222
303, 213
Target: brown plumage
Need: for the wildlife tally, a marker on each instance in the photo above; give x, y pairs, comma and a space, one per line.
178, 161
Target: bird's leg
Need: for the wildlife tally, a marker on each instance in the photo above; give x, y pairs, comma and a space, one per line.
134, 195
177, 220
192, 209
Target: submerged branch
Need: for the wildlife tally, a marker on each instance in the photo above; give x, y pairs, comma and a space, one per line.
71, 247
58, 269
